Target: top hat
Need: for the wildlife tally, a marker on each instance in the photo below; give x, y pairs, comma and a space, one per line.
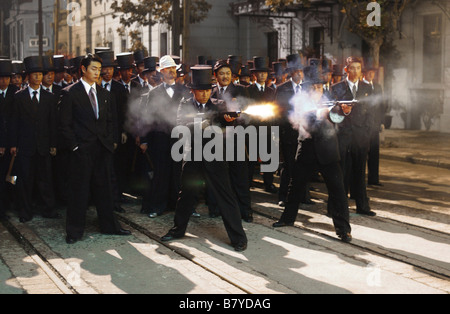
312, 75
107, 58
294, 62
139, 56
177, 59
277, 68
75, 63
150, 64
125, 61
183, 70
167, 62
338, 70
201, 78
202, 59
260, 64
33, 64
327, 66
235, 65
48, 64
6, 67
100, 49
58, 62
236, 59
245, 71
18, 67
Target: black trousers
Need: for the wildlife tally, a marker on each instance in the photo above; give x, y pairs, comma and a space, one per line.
35, 171
90, 175
217, 178
337, 198
241, 187
164, 186
373, 161
289, 151
5, 189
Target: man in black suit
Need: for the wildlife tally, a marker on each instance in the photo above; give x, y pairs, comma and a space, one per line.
215, 171
317, 150
86, 124
33, 139
354, 133
229, 92
161, 105
288, 135
48, 80
260, 93
7, 91
379, 110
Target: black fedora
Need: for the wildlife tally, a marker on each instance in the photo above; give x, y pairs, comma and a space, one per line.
125, 61
6, 67
58, 62
150, 64
33, 64
294, 62
201, 78
48, 64
260, 64
107, 58
18, 67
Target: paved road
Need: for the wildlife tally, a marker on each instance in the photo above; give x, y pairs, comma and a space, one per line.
405, 249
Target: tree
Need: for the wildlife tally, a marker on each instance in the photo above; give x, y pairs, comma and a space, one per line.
151, 12
358, 14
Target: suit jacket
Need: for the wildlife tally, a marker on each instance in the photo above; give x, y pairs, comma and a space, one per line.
232, 91
283, 96
356, 128
322, 146
6, 106
34, 129
257, 96
78, 124
119, 96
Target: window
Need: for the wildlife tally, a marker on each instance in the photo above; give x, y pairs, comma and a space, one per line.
432, 48
163, 44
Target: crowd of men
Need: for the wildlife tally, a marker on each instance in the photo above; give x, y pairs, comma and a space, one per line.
90, 130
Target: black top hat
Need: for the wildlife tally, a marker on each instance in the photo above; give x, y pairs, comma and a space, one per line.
75, 63
245, 71
235, 66
33, 64
107, 58
18, 67
100, 49
139, 56
125, 61
202, 59
327, 66
260, 64
177, 59
235, 59
277, 68
48, 63
338, 70
294, 62
150, 64
5, 67
312, 75
201, 78
58, 62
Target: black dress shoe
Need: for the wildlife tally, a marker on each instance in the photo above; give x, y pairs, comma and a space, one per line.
309, 202
24, 219
71, 240
280, 224
281, 204
271, 189
345, 237
366, 213
170, 236
122, 232
248, 218
240, 247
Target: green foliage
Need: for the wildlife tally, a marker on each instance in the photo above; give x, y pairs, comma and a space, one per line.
160, 11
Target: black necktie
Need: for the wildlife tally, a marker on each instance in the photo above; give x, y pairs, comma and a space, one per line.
297, 89
3, 95
222, 91
262, 89
35, 100
354, 91
106, 86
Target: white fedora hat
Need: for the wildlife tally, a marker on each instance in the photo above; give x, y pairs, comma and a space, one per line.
167, 62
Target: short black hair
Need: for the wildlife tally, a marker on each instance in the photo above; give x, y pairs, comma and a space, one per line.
88, 59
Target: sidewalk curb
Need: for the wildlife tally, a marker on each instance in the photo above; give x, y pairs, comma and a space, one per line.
419, 161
